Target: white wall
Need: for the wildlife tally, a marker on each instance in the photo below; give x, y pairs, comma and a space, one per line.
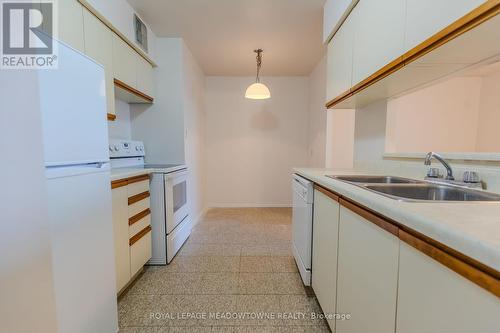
369, 149
27, 302
251, 145
340, 138
369, 133
194, 122
121, 14
317, 116
488, 136
442, 117
161, 125
120, 128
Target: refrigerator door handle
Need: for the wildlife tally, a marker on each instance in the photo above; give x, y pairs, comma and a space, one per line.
76, 170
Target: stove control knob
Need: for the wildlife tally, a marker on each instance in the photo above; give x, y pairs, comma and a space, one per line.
115, 148
110, 148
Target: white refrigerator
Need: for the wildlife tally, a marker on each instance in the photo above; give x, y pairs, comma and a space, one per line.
75, 141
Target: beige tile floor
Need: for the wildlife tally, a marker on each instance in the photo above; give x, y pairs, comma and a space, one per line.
236, 267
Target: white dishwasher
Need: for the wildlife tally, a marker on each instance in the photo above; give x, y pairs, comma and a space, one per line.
303, 196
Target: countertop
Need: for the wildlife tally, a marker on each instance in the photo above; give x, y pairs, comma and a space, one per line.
127, 172
472, 228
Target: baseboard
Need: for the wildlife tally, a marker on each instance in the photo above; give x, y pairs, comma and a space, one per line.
248, 205
198, 218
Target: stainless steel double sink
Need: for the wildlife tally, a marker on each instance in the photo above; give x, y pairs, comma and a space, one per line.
411, 190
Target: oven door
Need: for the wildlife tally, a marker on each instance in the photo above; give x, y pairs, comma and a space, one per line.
176, 199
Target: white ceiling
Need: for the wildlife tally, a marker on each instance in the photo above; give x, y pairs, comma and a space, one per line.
222, 34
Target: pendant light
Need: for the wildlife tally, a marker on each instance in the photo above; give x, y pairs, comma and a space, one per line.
258, 90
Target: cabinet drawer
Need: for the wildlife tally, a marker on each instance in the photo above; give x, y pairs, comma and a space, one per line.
138, 206
140, 251
139, 225
136, 187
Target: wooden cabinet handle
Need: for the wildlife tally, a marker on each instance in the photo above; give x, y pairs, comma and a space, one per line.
482, 279
327, 192
138, 197
139, 216
139, 235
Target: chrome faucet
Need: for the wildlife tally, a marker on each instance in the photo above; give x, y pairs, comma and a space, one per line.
449, 172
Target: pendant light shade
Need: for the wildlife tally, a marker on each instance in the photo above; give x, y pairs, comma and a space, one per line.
258, 90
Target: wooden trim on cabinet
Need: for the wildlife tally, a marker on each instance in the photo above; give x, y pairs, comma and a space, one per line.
327, 192
139, 216
484, 276
138, 197
479, 15
139, 235
111, 117
125, 181
133, 91
383, 72
118, 183
469, 21
137, 179
340, 98
369, 216
482, 279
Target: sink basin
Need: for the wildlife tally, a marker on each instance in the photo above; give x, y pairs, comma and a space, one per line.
431, 192
360, 179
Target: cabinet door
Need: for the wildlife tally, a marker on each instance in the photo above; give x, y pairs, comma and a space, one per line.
378, 36
140, 253
324, 254
70, 20
339, 59
124, 62
121, 235
99, 46
367, 275
435, 299
144, 76
427, 17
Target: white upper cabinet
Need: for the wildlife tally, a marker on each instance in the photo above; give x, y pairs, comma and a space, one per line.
378, 36
144, 76
334, 12
70, 20
435, 299
427, 17
99, 46
324, 252
124, 62
339, 59
367, 275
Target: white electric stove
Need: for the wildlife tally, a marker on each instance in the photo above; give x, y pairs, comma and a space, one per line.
170, 219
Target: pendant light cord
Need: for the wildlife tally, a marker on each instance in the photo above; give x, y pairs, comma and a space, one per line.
259, 63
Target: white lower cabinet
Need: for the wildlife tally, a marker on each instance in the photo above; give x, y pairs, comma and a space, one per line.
132, 229
367, 275
324, 253
121, 236
140, 253
361, 268
435, 299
